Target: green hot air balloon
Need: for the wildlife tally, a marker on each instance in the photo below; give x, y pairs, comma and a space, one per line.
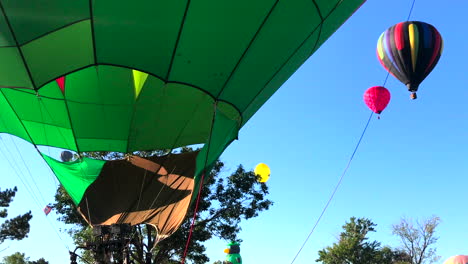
233, 253
126, 76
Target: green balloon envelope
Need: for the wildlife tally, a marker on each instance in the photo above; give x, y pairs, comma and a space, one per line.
125, 76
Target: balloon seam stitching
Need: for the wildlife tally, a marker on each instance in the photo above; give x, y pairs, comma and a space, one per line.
177, 40
289, 58
65, 101
247, 48
131, 68
19, 119
93, 37
18, 46
321, 26
47, 33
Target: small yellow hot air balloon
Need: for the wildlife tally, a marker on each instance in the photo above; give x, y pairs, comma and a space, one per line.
263, 171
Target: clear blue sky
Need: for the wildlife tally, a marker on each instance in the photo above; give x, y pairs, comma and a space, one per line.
412, 162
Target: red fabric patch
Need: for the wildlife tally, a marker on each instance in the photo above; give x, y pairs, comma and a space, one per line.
399, 38
61, 83
377, 98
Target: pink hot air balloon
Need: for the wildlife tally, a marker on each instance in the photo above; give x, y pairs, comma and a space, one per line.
377, 98
460, 259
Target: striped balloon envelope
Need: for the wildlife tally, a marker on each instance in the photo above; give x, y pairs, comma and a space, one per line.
410, 51
460, 259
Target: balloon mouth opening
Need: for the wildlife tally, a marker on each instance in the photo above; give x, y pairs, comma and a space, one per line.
412, 88
378, 112
66, 156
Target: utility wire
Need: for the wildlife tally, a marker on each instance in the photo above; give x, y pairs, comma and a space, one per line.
28, 187
336, 187
17, 170
349, 162
28, 170
411, 10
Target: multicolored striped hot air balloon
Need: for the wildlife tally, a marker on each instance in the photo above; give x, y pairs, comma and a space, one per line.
409, 51
460, 259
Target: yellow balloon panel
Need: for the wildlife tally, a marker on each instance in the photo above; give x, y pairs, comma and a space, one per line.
263, 171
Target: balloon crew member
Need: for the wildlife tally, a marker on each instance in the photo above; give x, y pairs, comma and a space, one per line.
233, 254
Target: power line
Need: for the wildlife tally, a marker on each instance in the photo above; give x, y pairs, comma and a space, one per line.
349, 162
336, 187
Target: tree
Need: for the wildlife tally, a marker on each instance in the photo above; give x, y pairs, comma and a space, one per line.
15, 258
15, 228
224, 203
20, 258
353, 246
39, 261
417, 239
397, 256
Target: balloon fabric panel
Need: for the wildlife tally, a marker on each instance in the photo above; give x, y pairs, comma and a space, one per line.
119, 191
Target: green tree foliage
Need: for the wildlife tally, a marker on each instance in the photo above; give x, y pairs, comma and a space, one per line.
20, 258
418, 239
392, 256
15, 228
39, 261
224, 203
16, 258
354, 247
